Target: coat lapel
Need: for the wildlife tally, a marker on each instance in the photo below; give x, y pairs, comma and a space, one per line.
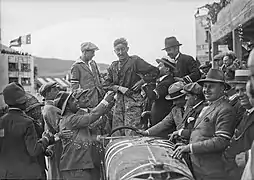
205, 113
249, 122
84, 66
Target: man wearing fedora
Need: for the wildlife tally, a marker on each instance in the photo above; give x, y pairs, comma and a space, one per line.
85, 73
19, 143
52, 116
160, 106
244, 136
76, 160
187, 68
125, 77
173, 120
212, 130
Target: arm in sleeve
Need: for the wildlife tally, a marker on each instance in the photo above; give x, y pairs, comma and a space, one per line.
148, 71
82, 121
194, 74
185, 133
75, 77
52, 117
224, 129
33, 145
167, 123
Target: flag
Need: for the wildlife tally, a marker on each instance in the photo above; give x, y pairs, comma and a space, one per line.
26, 39
16, 42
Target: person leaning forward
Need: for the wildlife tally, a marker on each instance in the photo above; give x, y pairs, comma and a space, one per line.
19, 144
76, 161
212, 130
85, 73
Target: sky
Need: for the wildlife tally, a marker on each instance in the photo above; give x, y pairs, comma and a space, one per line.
58, 27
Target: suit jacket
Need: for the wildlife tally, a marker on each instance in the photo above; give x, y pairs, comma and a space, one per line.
77, 150
187, 68
161, 107
211, 135
84, 77
19, 147
170, 123
189, 119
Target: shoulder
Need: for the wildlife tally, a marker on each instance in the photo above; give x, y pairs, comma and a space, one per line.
135, 58
76, 64
187, 57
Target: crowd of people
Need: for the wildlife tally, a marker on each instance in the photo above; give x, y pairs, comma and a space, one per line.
4, 51
206, 111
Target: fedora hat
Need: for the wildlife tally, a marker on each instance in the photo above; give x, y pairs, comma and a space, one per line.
241, 76
174, 91
193, 88
32, 102
61, 100
14, 94
168, 61
171, 42
215, 76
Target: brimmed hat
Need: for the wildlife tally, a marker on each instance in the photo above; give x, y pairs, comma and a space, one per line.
31, 102
174, 91
88, 46
45, 87
215, 76
61, 100
193, 88
167, 60
79, 92
14, 94
241, 76
171, 42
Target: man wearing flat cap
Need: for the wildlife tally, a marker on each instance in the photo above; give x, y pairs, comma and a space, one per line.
212, 130
160, 106
173, 120
52, 116
19, 143
85, 73
187, 67
125, 77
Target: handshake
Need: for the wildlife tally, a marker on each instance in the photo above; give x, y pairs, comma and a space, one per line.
52, 138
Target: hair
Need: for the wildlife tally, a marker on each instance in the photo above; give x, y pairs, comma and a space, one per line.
121, 41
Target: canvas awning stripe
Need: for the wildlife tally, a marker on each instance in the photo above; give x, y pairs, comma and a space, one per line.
62, 83
41, 80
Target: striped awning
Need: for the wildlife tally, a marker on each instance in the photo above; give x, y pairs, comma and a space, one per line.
61, 81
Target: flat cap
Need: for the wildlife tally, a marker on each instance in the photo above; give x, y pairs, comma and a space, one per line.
174, 91
88, 46
43, 89
79, 92
14, 94
193, 88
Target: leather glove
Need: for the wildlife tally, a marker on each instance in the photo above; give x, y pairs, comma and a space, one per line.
49, 152
49, 136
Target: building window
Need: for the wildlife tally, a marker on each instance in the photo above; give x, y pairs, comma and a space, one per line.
25, 81
13, 66
25, 67
13, 79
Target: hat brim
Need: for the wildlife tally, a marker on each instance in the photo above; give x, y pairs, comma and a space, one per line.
65, 103
202, 81
171, 46
34, 106
165, 62
168, 97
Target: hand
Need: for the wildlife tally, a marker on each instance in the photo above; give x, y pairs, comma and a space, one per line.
173, 135
180, 150
49, 153
178, 79
122, 89
109, 96
49, 136
65, 134
138, 85
143, 132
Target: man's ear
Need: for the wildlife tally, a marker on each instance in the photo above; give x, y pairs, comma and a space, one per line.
127, 49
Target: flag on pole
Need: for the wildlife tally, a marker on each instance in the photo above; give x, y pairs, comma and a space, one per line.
16, 42
21, 40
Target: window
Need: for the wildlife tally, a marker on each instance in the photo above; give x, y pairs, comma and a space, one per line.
13, 66
25, 67
25, 81
13, 79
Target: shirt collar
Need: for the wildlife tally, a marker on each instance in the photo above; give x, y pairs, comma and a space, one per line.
49, 102
162, 77
177, 56
17, 109
216, 101
79, 60
194, 107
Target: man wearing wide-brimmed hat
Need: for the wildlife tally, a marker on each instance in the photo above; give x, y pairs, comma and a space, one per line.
85, 73
212, 130
173, 120
52, 116
19, 143
76, 161
187, 68
244, 135
160, 106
